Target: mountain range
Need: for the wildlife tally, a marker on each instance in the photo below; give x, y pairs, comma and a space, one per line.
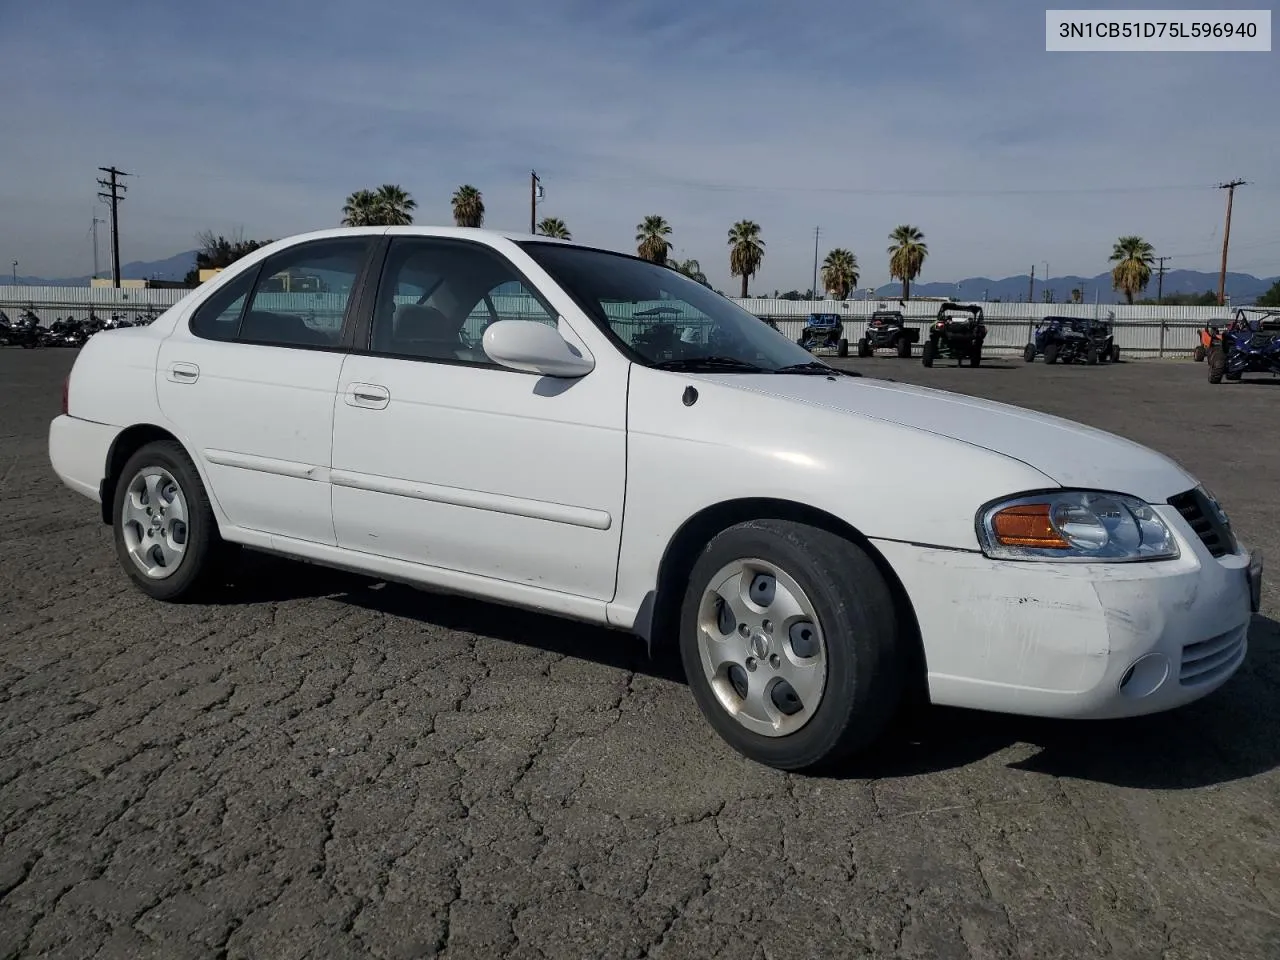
1242, 287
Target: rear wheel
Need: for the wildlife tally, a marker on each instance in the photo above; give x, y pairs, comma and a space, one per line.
1051, 353
1029, 352
904, 348
975, 354
929, 352
1092, 356
788, 637
1115, 353
864, 348
166, 536
1217, 364
1198, 353
842, 350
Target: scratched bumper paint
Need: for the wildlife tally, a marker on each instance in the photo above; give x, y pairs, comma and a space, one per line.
1056, 640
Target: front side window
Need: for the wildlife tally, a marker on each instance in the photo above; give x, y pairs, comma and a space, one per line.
663, 318
302, 294
218, 318
437, 296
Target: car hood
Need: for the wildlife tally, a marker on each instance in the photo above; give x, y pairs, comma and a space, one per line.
1067, 453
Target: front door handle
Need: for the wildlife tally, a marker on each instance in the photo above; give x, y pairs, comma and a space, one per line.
181, 372
369, 395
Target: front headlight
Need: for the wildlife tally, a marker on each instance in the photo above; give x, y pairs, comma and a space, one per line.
1074, 526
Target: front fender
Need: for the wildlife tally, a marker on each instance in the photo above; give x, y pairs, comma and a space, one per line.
731, 444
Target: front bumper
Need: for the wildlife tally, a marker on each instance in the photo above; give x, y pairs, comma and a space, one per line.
1080, 640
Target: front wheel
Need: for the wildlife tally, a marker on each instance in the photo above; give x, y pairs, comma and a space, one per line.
166, 536
975, 354
1029, 352
864, 348
1217, 364
904, 348
788, 635
842, 349
1115, 353
1198, 353
929, 352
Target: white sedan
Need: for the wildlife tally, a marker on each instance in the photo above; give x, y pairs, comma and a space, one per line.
588, 434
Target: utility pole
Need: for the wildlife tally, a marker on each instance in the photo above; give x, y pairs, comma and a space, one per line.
1031, 288
535, 188
115, 193
816, 232
1160, 279
96, 220
1226, 238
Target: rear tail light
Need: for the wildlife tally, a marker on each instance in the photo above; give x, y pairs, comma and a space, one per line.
66, 395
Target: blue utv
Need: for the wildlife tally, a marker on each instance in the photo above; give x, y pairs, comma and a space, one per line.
1071, 340
1250, 344
824, 331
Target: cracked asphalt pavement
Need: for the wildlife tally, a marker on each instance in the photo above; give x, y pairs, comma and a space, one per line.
322, 766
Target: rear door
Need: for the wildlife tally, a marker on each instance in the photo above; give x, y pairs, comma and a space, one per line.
251, 383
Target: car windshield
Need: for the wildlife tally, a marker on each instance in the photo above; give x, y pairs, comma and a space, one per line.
662, 318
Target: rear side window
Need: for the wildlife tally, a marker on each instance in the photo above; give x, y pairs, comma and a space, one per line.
295, 298
218, 318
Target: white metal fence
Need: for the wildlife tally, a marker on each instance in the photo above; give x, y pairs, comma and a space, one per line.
1139, 330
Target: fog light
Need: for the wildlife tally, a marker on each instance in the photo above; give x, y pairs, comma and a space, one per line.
1145, 676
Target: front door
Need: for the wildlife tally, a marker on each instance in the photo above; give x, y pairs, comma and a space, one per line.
441, 457
251, 382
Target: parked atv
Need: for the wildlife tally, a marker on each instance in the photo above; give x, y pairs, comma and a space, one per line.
1210, 333
888, 330
1251, 344
824, 331
1071, 340
956, 333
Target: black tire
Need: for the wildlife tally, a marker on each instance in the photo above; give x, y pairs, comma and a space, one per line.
1198, 353
904, 348
842, 350
864, 348
1217, 364
929, 352
1115, 353
1029, 352
1051, 353
203, 560
975, 354
866, 671
1092, 356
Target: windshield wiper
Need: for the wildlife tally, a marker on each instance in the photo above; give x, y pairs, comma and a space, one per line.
816, 368
692, 364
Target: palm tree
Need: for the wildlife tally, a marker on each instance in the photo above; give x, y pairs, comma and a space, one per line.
840, 272
468, 206
1133, 257
395, 206
360, 209
746, 250
388, 206
554, 227
906, 256
691, 269
651, 238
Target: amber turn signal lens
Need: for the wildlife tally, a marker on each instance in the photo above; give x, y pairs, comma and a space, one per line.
1027, 525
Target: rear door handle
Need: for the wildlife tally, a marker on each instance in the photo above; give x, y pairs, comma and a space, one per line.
369, 395
181, 372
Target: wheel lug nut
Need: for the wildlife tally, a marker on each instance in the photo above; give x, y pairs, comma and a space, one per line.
768, 626
751, 664
774, 660
744, 629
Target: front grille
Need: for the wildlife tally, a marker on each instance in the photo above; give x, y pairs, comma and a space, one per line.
1196, 509
1211, 659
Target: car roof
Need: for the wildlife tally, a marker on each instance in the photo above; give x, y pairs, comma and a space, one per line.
426, 230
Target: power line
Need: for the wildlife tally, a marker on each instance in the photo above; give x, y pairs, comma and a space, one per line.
1230, 187
115, 193
816, 232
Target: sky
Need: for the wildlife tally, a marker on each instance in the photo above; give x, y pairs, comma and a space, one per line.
261, 117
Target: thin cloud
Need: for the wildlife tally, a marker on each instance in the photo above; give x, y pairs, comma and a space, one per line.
946, 115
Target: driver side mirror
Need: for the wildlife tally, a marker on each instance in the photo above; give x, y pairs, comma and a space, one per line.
535, 348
